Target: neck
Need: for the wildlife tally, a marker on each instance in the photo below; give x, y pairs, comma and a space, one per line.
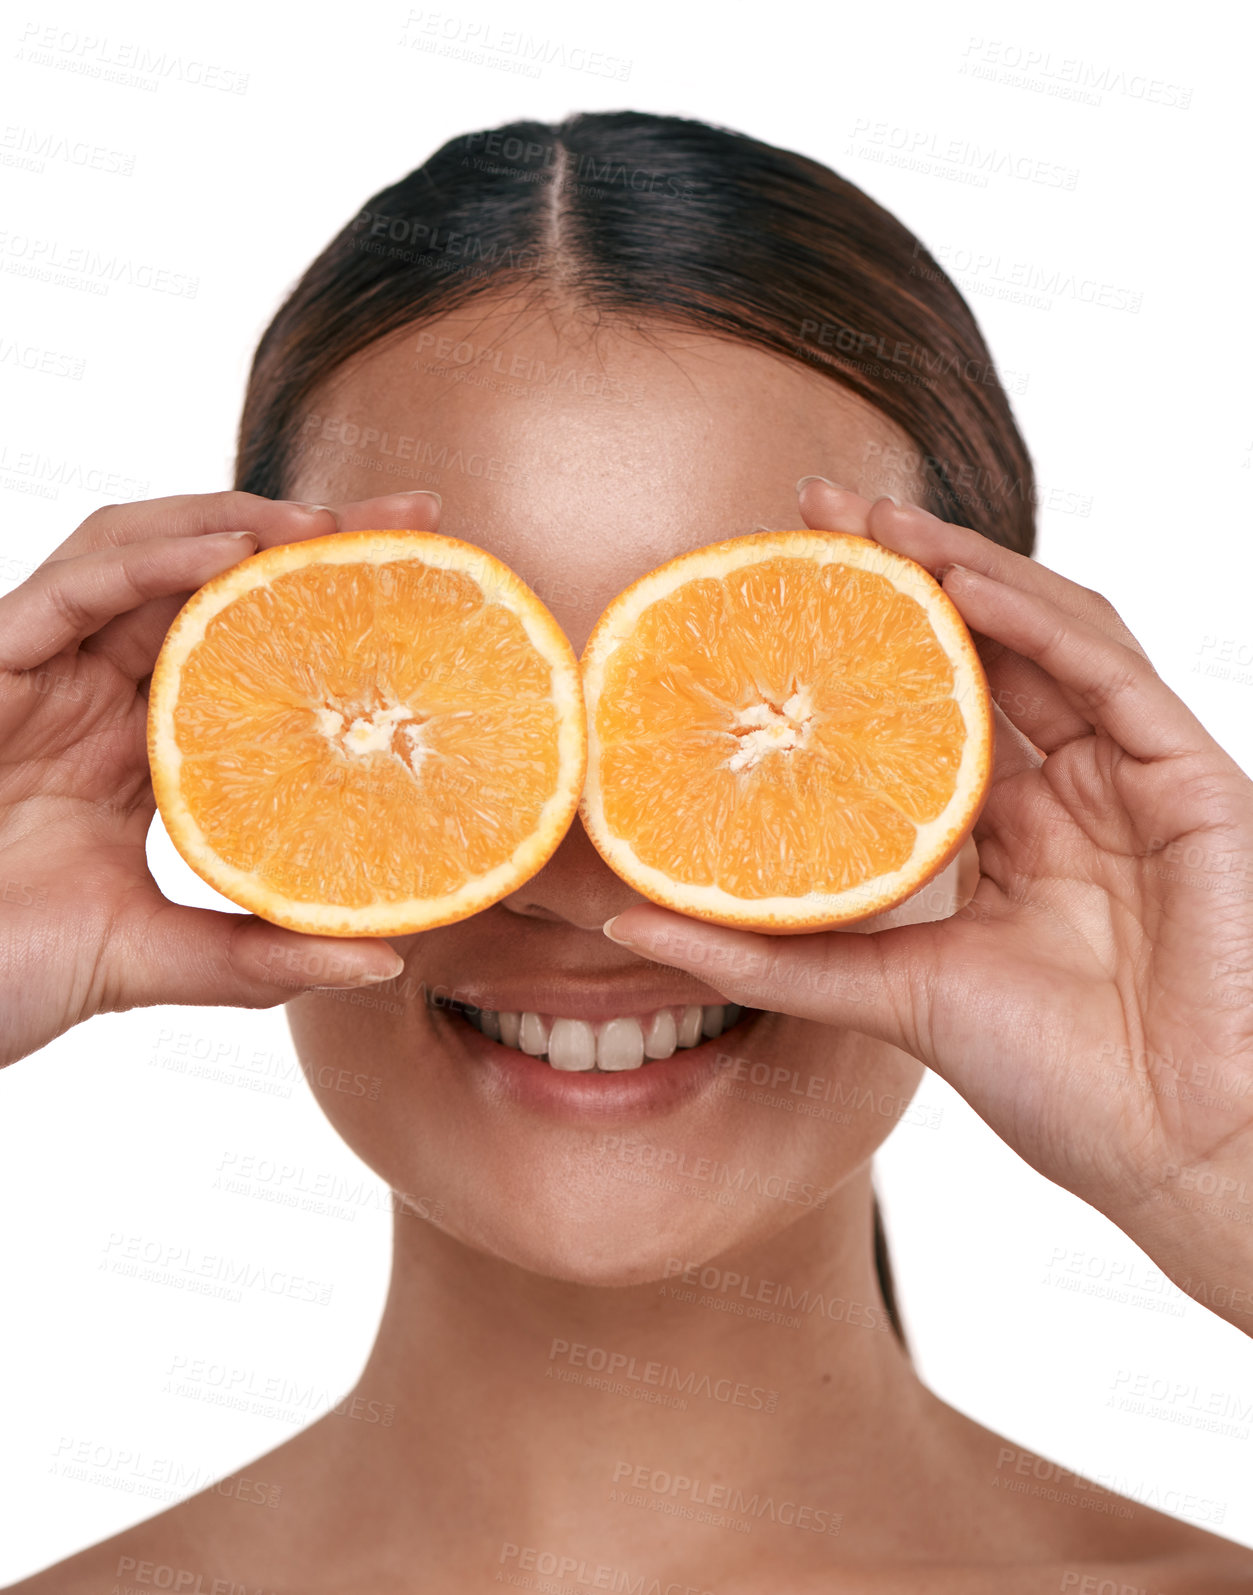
589, 1421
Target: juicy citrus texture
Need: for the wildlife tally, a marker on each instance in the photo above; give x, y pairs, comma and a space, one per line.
786, 730
366, 734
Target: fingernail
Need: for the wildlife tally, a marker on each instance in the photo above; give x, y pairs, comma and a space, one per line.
825, 480
313, 509
227, 537
430, 493
608, 926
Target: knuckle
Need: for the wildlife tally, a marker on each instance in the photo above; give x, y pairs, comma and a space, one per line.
230, 498
1054, 644
103, 515
231, 509
101, 529
1114, 683
1099, 601
1106, 615
59, 592
112, 525
252, 969
234, 501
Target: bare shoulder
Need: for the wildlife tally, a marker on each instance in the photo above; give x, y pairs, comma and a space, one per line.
246, 1534
1027, 1524
166, 1553
143, 1560
102, 1571
1221, 1569
1013, 1524
198, 1547
1218, 1569
1224, 1569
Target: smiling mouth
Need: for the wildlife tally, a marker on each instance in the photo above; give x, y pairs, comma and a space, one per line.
607, 1046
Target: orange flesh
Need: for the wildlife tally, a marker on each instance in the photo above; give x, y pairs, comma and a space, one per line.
278, 796
875, 742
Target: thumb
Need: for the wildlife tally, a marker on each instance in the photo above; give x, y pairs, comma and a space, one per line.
871, 982
205, 957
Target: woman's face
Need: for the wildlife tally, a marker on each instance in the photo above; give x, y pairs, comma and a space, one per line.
583, 458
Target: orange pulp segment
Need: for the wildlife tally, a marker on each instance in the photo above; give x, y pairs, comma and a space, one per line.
786, 731
366, 734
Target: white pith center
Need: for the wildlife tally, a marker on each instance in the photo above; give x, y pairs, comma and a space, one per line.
764, 728
373, 732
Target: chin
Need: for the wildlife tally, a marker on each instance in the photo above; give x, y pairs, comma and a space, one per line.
617, 1177
590, 1234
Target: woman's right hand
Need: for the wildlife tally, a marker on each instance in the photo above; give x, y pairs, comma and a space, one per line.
84, 928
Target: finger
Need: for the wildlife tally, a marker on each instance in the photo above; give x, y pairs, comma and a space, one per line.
935, 544
1029, 697
133, 641
416, 511
196, 515
68, 599
867, 982
828, 508
170, 954
1113, 687
1025, 693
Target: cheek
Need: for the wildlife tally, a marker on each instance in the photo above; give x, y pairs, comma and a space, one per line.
358, 1060
805, 1098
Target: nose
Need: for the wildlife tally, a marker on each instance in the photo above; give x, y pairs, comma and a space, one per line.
575, 887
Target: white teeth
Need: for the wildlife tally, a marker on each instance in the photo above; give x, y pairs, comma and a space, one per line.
612, 1046
572, 1045
533, 1034
661, 1037
620, 1045
690, 1026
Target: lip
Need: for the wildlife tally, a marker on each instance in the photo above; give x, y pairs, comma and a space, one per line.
579, 1098
595, 997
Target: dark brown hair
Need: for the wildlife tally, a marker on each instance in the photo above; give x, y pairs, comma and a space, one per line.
662, 219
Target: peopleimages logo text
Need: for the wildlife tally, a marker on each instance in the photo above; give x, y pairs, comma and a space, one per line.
665, 1160
622, 1366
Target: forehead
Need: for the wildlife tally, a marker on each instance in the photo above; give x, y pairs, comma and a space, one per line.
586, 452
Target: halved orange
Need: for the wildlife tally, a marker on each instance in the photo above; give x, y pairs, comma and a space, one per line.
786, 731
366, 734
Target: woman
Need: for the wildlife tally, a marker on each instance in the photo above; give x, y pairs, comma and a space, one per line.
615, 340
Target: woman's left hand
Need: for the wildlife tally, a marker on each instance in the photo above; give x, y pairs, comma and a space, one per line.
1093, 1001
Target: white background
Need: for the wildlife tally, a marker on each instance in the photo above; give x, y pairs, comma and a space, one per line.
1026, 1309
